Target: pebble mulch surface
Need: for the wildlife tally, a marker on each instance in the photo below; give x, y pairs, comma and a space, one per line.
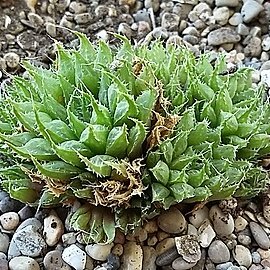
231, 234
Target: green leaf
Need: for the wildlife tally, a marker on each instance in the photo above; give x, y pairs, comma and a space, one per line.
17, 139
198, 134
86, 49
136, 138
85, 75
196, 177
108, 226
204, 91
67, 151
81, 218
259, 141
225, 152
223, 101
99, 164
59, 131
161, 172
229, 123
182, 191
57, 169
117, 142
177, 177
208, 113
180, 144
187, 121
167, 150
96, 225
201, 194
159, 192
182, 161
95, 137
152, 159
37, 147
246, 129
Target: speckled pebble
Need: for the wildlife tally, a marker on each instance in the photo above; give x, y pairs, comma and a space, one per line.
53, 229
23, 263
218, 252
53, 260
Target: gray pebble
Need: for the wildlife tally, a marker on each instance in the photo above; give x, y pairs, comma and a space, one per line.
4, 242
82, 18
236, 19
142, 15
23, 263
256, 257
160, 32
191, 39
234, 267
250, 10
77, 7
244, 239
35, 20
223, 35
167, 257
53, 260
170, 21
12, 59
242, 255
218, 252
224, 266
259, 235
227, 3
253, 47
154, 4
8, 204
242, 29
113, 262
181, 264
28, 242
256, 267
3, 261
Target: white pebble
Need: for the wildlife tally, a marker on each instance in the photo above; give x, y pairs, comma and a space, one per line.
99, 252
23, 263
242, 255
9, 220
74, 257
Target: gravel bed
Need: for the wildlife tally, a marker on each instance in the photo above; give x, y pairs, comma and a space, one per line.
229, 234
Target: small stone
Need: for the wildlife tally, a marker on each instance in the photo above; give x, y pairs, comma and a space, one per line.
26, 212
12, 59
201, 8
222, 15
142, 15
253, 47
259, 235
223, 223
172, 221
191, 30
53, 261
250, 10
151, 226
167, 257
99, 252
130, 3
82, 18
35, 20
9, 220
198, 216
69, 238
265, 254
75, 257
266, 43
242, 29
218, 252
256, 257
227, 3
191, 39
160, 33
103, 35
4, 242
181, 264
265, 77
118, 250
53, 229
77, 7
154, 4
224, 266
240, 224
28, 242
188, 247
265, 57
170, 21
165, 245
206, 233
244, 239
191, 230
149, 258
236, 19
23, 263
242, 255
113, 262
223, 35
124, 29
265, 263
3, 261
132, 258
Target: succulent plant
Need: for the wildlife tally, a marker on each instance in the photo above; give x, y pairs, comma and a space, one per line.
131, 130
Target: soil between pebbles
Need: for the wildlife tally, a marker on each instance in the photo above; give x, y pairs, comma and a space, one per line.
42, 240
